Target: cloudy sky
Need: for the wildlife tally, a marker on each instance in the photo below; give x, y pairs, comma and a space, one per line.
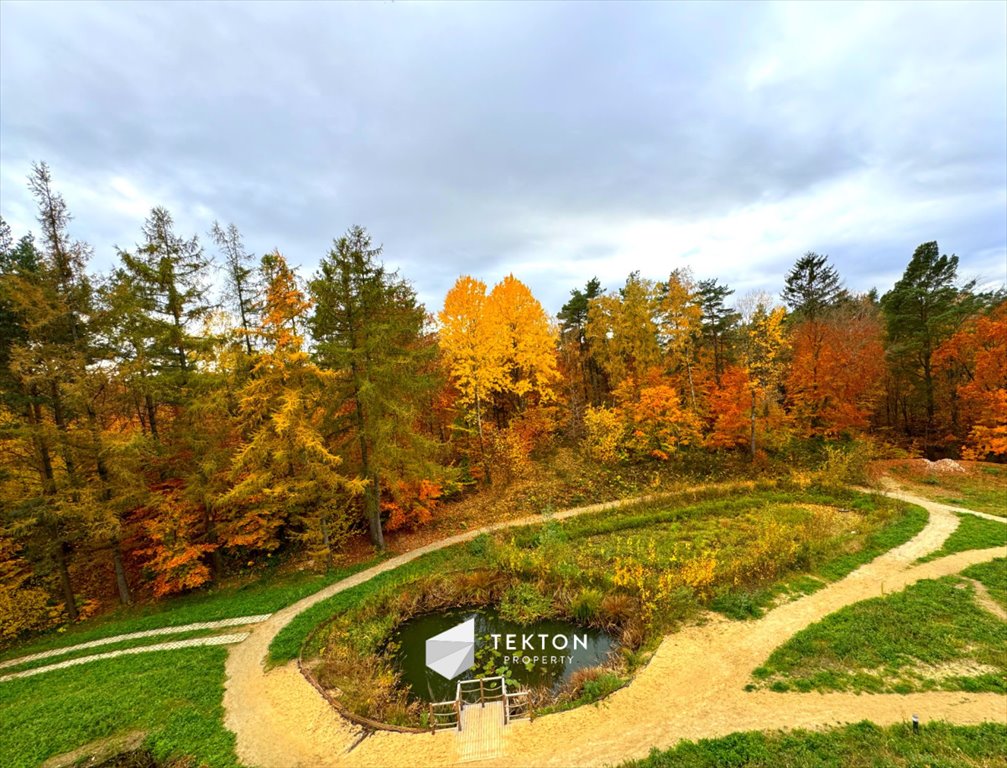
554, 141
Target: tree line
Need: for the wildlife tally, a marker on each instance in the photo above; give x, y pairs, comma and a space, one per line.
196, 408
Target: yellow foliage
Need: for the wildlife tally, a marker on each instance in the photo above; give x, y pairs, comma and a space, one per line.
603, 427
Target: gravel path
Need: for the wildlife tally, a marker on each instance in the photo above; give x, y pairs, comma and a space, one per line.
172, 646
220, 624
692, 688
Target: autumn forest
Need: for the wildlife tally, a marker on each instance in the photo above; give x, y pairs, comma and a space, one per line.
196, 409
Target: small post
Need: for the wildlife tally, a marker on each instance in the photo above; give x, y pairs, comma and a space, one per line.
482, 699
433, 720
916, 724
458, 714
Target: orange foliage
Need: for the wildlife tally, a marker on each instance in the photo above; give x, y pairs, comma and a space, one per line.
658, 424
413, 504
729, 405
175, 556
835, 375
980, 351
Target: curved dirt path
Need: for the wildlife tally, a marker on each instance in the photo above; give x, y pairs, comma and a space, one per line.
693, 687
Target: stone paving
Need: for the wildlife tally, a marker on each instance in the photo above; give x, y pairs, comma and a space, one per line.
219, 624
171, 646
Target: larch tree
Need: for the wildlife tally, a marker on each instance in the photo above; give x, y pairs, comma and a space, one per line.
530, 371
679, 321
243, 290
287, 484
369, 330
765, 345
161, 289
623, 332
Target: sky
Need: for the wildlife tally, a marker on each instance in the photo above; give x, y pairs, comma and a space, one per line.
553, 141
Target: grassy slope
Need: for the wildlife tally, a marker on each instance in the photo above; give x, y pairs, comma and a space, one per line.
92, 702
174, 695
906, 523
265, 595
983, 488
863, 745
110, 647
883, 644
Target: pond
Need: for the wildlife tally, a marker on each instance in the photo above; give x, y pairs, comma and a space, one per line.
542, 654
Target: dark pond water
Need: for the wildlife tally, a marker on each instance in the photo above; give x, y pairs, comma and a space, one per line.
545, 653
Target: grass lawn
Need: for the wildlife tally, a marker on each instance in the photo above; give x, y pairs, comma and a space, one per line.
972, 533
636, 572
175, 696
864, 745
268, 593
110, 647
931, 636
983, 487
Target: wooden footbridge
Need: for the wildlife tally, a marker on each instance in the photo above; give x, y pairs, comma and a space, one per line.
479, 713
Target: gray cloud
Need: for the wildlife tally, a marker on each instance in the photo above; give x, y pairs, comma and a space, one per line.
553, 140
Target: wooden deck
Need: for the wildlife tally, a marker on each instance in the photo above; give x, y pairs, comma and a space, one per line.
482, 733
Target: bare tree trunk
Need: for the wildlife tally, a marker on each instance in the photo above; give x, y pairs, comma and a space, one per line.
151, 416
120, 575
753, 425
64, 577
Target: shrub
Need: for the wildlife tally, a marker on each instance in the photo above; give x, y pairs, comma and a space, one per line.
586, 606
604, 431
618, 609
524, 604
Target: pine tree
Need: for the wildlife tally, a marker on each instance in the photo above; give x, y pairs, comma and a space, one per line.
922, 309
588, 385
718, 322
812, 286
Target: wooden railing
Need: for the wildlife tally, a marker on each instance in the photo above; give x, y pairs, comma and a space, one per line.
517, 706
445, 714
448, 714
481, 690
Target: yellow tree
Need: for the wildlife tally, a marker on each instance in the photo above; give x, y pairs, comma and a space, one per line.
529, 343
765, 342
679, 322
474, 349
623, 332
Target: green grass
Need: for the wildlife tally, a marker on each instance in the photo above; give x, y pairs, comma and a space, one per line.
175, 696
743, 604
983, 488
134, 643
864, 745
894, 643
972, 533
287, 644
267, 594
993, 575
